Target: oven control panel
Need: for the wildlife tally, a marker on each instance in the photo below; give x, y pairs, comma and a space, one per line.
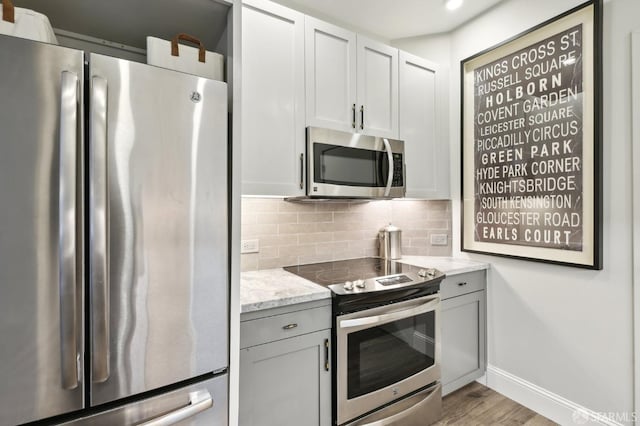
349, 285
398, 279
361, 285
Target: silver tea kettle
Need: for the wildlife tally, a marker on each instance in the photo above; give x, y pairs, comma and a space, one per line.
390, 240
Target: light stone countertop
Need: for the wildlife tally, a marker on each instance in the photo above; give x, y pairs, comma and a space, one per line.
272, 288
448, 265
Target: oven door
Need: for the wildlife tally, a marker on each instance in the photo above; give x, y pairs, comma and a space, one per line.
385, 353
352, 165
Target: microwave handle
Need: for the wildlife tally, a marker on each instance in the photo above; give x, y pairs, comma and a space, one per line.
387, 147
393, 316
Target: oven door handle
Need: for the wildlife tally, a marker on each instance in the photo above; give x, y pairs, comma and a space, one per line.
387, 147
393, 316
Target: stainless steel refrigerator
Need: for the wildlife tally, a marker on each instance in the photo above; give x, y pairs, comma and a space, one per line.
113, 241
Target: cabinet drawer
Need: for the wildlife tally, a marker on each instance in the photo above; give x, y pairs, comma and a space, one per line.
277, 327
457, 285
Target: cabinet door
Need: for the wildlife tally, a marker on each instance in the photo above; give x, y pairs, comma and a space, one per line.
426, 149
273, 129
377, 89
463, 340
330, 66
285, 383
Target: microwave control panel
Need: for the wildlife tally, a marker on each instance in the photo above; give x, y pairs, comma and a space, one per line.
398, 170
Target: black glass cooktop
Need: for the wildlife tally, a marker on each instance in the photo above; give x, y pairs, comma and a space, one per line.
364, 275
340, 271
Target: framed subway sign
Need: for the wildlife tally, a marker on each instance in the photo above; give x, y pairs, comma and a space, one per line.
531, 143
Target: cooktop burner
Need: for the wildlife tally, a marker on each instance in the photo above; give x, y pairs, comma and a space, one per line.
370, 274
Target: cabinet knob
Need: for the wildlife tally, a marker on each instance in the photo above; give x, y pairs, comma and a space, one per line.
290, 326
462, 284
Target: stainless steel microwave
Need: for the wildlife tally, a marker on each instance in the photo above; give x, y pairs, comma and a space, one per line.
351, 165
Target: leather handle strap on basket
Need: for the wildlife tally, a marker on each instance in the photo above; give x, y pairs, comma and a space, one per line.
191, 39
8, 11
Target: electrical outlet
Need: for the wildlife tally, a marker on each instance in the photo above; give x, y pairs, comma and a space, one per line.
439, 239
249, 246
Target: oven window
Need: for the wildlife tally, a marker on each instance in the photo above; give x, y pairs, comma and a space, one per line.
381, 356
340, 165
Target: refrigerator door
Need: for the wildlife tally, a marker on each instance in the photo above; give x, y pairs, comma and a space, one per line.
201, 404
40, 216
158, 226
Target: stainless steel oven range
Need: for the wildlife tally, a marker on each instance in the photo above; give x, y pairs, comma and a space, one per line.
386, 340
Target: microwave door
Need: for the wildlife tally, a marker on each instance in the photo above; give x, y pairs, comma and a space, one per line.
344, 171
348, 166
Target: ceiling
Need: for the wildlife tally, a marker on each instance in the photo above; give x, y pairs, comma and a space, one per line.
393, 19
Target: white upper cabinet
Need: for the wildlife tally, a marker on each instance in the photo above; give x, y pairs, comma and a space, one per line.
273, 118
330, 65
298, 71
351, 81
426, 148
377, 88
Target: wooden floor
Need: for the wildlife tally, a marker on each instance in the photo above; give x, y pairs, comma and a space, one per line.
476, 404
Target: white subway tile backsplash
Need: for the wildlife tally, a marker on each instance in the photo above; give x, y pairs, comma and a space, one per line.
297, 228
349, 235
277, 218
269, 252
313, 259
332, 247
284, 206
299, 250
316, 237
279, 240
415, 233
297, 233
278, 262
263, 205
258, 230
249, 262
315, 217
332, 207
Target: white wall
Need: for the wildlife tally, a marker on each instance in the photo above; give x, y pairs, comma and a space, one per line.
566, 330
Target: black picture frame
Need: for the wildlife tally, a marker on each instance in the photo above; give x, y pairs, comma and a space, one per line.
531, 143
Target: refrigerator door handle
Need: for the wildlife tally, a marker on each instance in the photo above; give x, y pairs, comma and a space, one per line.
98, 219
67, 230
198, 402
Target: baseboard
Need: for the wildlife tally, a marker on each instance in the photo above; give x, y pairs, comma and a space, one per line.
540, 400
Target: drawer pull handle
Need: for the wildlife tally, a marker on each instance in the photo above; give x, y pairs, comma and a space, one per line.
462, 284
290, 326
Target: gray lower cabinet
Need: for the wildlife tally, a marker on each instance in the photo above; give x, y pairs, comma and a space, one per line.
285, 377
463, 329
